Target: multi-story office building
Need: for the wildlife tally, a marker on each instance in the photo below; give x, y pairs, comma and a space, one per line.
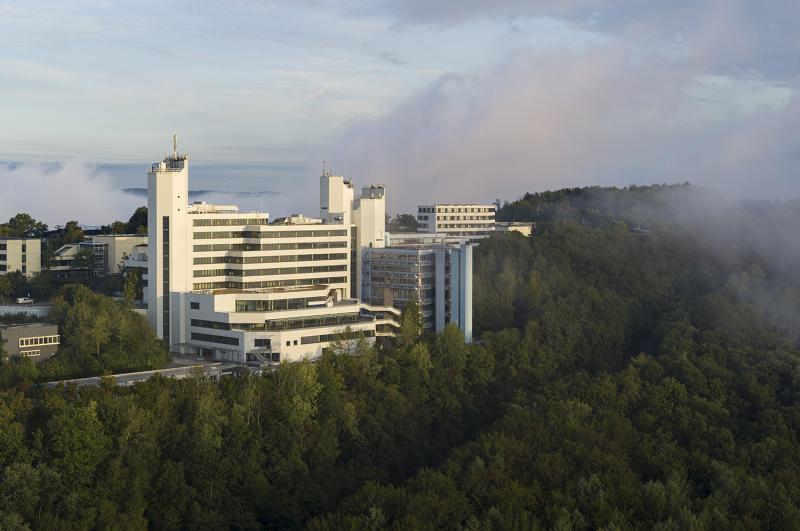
458, 219
98, 255
437, 276
233, 285
20, 254
37, 341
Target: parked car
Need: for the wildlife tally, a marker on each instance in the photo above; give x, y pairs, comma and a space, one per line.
24, 300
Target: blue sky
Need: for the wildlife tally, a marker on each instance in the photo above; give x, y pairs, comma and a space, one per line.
448, 100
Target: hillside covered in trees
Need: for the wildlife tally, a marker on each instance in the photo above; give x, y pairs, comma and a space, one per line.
637, 369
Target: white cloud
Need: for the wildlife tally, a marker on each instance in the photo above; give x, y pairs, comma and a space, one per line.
603, 117
57, 193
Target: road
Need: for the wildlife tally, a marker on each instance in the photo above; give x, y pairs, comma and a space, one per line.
212, 371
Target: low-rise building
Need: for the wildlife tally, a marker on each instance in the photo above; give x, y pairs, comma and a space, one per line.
474, 220
20, 254
38, 341
98, 255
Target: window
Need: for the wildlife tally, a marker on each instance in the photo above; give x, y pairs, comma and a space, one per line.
295, 342
262, 343
194, 305
288, 343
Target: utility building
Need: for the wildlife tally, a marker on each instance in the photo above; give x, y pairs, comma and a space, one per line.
37, 341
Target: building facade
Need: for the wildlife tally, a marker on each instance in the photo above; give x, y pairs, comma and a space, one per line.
20, 254
234, 286
438, 277
38, 341
472, 220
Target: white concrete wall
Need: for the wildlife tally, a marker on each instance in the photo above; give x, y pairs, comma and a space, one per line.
167, 195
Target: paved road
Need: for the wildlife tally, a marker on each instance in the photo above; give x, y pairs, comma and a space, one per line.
213, 371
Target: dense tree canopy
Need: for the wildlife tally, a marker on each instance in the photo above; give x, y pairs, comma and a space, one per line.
23, 226
402, 223
629, 375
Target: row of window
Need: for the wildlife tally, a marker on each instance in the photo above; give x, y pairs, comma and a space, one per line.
200, 260
229, 284
269, 234
211, 338
35, 341
226, 222
465, 226
456, 209
456, 218
267, 246
30, 353
284, 324
275, 305
266, 272
412, 268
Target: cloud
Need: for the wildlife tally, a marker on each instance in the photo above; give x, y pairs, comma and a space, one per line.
647, 106
59, 192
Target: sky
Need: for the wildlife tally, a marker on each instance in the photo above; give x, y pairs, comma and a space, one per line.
447, 100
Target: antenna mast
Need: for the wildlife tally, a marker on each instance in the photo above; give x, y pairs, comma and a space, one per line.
175, 147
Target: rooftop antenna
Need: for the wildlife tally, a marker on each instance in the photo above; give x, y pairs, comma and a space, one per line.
324, 167
175, 147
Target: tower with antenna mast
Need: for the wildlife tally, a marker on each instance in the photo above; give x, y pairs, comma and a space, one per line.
167, 205
336, 197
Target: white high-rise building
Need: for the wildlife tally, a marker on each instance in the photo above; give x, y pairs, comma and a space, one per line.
365, 215
336, 197
234, 286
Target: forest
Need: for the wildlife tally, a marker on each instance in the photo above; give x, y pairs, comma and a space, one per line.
636, 368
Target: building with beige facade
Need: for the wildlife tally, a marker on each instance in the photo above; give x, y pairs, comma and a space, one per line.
20, 254
473, 220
